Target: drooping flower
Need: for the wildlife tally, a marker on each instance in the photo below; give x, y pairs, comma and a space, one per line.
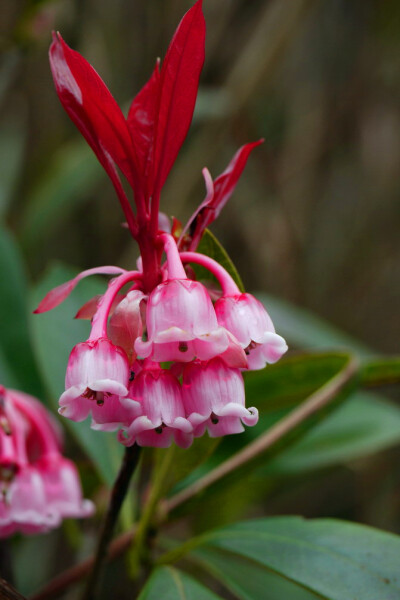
245, 317
214, 398
97, 373
156, 394
39, 487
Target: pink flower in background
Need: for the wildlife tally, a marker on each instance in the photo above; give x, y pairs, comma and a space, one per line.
39, 487
159, 321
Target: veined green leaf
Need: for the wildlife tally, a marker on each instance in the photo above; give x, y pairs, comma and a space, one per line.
332, 559
167, 583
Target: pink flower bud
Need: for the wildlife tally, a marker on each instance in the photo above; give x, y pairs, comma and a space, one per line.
126, 323
214, 398
246, 318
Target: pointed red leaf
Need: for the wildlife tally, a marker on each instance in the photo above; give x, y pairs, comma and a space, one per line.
142, 122
218, 194
59, 293
179, 80
92, 108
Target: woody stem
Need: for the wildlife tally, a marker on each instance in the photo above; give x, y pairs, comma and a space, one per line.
121, 485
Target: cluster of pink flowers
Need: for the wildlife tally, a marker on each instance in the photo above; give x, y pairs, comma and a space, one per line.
163, 362
39, 487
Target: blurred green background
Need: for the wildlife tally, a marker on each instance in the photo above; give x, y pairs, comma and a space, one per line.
314, 221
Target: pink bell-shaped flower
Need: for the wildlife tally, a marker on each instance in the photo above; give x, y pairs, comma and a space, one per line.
98, 373
62, 487
157, 393
246, 318
214, 398
39, 487
180, 318
181, 324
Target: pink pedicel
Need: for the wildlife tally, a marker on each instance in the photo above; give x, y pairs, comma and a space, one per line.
39, 487
246, 318
214, 399
160, 313
157, 394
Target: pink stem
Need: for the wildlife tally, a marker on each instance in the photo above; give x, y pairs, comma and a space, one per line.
175, 266
229, 287
99, 324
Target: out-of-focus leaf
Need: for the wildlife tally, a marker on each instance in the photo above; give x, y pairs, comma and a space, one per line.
332, 559
210, 246
305, 330
363, 425
167, 583
248, 581
12, 143
381, 371
32, 574
15, 342
55, 334
66, 183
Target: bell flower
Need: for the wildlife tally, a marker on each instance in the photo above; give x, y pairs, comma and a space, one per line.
156, 394
214, 398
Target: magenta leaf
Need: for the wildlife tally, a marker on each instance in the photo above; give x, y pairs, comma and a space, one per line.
59, 293
141, 122
179, 80
218, 194
92, 108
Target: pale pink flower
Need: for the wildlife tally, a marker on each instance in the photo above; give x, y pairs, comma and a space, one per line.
98, 373
157, 393
181, 324
39, 487
246, 318
214, 398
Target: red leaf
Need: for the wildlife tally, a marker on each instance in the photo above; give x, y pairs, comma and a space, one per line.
218, 194
59, 293
92, 108
179, 80
141, 122
88, 310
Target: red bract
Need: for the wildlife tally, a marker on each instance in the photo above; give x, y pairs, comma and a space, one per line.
122, 375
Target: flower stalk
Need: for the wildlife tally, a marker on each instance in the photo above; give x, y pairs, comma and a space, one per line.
118, 494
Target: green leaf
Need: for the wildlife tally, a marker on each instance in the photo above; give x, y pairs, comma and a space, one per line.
70, 176
210, 246
382, 371
303, 329
335, 560
12, 143
15, 343
55, 334
167, 583
365, 424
